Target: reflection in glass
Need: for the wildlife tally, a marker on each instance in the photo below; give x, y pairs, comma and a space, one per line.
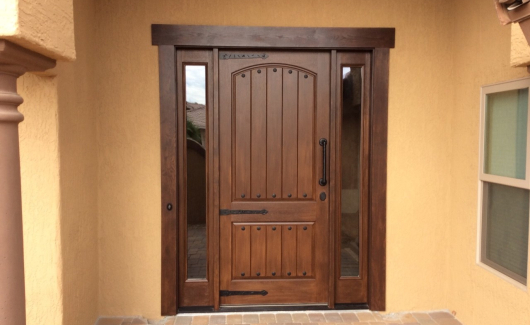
196, 170
506, 228
506, 124
351, 170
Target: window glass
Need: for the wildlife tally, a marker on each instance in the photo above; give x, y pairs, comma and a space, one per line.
351, 170
505, 228
505, 200
196, 170
505, 133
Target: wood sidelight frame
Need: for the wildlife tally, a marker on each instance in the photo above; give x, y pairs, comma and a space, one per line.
170, 38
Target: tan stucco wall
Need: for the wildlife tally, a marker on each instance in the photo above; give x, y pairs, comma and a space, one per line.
78, 154
59, 186
39, 154
106, 153
46, 27
520, 51
482, 56
421, 101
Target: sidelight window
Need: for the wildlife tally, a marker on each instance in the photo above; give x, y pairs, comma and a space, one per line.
353, 100
195, 76
352, 82
504, 180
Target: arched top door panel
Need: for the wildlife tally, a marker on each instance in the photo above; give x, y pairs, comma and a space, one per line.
273, 114
289, 67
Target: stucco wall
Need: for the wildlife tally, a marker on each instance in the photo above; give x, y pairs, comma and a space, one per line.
421, 101
520, 51
39, 154
482, 56
78, 154
109, 157
59, 186
46, 27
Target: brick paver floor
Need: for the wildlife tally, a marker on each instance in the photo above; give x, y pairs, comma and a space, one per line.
197, 251
295, 318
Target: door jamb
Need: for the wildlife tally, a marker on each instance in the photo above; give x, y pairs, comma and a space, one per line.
170, 37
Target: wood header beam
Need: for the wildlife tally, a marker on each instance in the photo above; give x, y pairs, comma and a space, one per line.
191, 36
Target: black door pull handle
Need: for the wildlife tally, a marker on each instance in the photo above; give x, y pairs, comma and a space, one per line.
323, 143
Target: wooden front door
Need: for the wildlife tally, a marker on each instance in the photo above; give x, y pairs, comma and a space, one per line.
273, 165
274, 116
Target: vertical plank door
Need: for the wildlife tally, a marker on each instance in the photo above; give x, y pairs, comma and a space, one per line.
274, 214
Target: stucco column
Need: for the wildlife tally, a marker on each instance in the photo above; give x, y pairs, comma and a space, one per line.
14, 61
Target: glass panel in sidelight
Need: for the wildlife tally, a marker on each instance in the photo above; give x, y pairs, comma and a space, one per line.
351, 170
196, 170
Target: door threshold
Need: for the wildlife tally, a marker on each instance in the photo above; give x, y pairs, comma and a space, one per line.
279, 307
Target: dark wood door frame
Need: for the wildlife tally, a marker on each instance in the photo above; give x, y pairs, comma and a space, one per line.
169, 38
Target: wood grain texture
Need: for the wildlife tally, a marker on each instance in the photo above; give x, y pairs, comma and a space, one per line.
259, 134
241, 250
366, 167
322, 130
273, 138
294, 262
306, 139
304, 250
182, 176
282, 249
258, 251
333, 175
168, 109
215, 179
290, 134
270, 37
274, 132
378, 176
288, 250
223, 152
283, 211
274, 250
241, 134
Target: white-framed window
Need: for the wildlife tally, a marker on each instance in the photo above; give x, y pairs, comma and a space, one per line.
504, 177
